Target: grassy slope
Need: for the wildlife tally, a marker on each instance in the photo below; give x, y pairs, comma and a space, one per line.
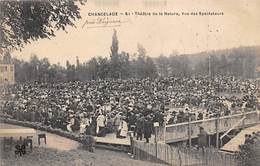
49, 157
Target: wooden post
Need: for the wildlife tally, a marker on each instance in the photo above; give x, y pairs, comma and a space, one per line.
131, 143
243, 122
209, 140
258, 114
217, 132
156, 142
164, 130
189, 131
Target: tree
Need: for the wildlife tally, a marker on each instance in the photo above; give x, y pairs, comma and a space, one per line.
71, 72
114, 46
201, 68
140, 61
163, 65
150, 68
24, 21
92, 69
179, 66
102, 68
115, 63
33, 68
215, 65
249, 66
174, 65
125, 65
141, 51
77, 63
114, 58
144, 65
44, 67
20, 74
223, 65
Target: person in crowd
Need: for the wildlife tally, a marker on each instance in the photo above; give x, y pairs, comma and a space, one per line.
147, 128
202, 138
84, 123
117, 121
167, 101
71, 122
139, 127
246, 139
123, 128
100, 129
131, 121
76, 126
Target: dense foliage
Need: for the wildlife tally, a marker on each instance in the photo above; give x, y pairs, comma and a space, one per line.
238, 62
118, 65
24, 21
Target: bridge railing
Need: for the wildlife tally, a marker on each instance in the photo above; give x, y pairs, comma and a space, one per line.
179, 132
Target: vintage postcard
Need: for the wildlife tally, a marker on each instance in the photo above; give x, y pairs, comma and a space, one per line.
129, 82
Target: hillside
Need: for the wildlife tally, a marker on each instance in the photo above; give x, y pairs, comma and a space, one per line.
240, 51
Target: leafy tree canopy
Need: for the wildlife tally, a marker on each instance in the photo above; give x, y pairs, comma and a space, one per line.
24, 21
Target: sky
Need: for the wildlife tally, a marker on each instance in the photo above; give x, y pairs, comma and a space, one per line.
239, 26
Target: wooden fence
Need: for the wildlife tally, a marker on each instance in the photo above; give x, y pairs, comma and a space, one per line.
250, 153
255, 151
180, 156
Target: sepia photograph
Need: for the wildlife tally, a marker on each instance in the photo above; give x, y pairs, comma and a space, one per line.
129, 82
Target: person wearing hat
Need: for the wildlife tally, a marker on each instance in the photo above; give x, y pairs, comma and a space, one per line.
173, 117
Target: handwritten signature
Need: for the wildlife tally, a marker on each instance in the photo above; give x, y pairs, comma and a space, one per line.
103, 22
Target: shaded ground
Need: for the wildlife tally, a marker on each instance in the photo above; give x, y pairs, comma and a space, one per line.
53, 141
65, 152
45, 156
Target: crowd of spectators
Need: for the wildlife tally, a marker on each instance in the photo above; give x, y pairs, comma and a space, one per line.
252, 138
101, 106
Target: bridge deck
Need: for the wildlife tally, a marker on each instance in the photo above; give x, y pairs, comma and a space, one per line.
111, 139
233, 144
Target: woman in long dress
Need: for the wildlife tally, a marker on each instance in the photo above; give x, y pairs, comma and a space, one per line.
123, 128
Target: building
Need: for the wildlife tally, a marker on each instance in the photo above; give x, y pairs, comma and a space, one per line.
7, 74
